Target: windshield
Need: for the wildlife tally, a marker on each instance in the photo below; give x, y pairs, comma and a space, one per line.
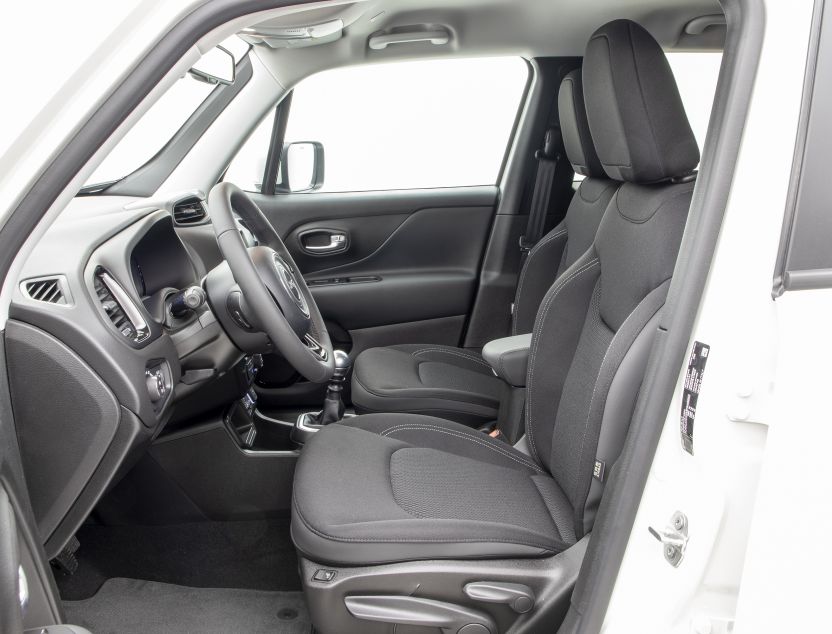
153, 130
159, 124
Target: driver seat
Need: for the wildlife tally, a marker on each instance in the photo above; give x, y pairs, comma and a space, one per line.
378, 496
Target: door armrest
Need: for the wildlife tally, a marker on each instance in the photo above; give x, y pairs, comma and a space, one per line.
509, 358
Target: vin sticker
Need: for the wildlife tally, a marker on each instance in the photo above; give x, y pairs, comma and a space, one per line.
690, 395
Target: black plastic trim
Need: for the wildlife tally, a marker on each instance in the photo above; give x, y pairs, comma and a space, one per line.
12, 479
806, 279
275, 152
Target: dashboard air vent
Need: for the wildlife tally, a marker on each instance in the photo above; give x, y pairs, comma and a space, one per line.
46, 289
119, 308
189, 211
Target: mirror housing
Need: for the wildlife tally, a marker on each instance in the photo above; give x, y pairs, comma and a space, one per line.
301, 167
217, 66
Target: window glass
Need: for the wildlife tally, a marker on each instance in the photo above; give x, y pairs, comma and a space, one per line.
696, 75
247, 169
158, 125
437, 123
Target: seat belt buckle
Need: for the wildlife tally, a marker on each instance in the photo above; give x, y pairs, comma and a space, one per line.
496, 434
525, 244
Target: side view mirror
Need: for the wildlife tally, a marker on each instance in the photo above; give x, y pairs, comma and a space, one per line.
217, 66
301, 167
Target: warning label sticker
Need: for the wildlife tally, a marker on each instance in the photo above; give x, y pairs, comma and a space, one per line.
693, 385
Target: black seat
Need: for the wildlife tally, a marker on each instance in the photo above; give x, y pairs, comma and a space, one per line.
455, 383
392, 487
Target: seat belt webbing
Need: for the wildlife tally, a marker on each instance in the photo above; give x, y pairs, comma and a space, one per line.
547, 164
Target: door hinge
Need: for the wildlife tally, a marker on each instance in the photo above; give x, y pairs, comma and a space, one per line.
674, 538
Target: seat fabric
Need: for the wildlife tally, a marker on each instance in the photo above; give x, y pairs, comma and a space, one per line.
390, 487
427, 379
428, 489
455, 383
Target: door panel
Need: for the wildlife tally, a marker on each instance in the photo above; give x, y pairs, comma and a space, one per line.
408, 272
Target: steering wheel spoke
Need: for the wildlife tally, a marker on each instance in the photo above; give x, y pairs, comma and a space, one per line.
317, 349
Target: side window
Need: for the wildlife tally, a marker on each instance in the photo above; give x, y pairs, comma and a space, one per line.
696, 75
415, 124
249, 165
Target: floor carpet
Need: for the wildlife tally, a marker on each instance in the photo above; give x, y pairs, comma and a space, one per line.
128, 606
255, 555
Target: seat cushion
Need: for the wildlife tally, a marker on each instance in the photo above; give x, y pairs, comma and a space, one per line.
386, 488
427, 379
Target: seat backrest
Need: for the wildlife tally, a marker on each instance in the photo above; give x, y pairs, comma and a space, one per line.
595, 326
557, 250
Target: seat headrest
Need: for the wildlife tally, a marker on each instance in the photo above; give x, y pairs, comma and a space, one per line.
635, 113
574, 127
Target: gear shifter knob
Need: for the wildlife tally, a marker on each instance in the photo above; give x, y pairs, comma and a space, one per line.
333, 409
343, 363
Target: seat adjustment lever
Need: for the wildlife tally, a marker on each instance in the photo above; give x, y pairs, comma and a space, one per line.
517, 596
401, 610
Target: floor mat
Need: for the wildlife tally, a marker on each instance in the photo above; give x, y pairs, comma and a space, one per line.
125, 606
256, 555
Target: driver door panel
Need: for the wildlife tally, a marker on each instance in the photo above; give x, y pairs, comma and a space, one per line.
408, 272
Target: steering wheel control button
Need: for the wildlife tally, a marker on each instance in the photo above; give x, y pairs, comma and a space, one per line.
323, 575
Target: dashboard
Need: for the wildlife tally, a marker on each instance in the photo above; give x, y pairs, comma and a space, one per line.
100, 360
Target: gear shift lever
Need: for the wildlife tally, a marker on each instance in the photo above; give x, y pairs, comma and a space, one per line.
333, 409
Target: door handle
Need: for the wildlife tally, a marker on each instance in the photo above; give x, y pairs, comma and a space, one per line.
318, 242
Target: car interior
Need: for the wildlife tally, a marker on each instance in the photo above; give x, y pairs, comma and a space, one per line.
280, 404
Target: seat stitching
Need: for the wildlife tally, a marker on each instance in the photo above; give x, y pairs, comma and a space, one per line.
664, 202
546, 506
603, 191
532, 253
557, 289
392, 393
424, 427
456, 353
601, 367
320, 533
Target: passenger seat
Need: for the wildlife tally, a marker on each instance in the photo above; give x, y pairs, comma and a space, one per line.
455, 383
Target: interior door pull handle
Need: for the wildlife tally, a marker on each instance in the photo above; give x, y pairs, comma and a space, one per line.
337, 242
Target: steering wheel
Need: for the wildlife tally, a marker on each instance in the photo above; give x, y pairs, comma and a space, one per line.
271, 283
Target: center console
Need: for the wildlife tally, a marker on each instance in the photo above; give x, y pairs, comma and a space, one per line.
254, 431
239, 417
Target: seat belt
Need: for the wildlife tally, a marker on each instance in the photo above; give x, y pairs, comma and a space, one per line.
548, 158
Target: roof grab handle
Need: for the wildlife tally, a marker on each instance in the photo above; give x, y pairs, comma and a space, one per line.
698, 25
436, 36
